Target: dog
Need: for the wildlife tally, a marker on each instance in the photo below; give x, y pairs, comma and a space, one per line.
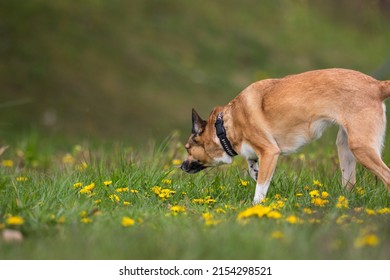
273, 117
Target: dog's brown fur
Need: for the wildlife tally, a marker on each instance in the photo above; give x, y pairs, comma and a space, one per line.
277, 116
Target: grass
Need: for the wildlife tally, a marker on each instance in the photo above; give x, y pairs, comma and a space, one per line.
203, 216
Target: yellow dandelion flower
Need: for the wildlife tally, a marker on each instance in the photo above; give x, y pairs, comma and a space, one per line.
306, 188
299, 194
370, 211
382, 211
119, 190
98, 201
178, 209
314, 221
21, 179
68, 159
307, 211
15, 221
342, 219
126, 203
82, 166
359, 191
292, 219
209, 200
77, 185
220, 211
156, 190
277, 234
7, 163
257, 210
324, 194
198, 200
176, 162
370, 240
88, 189
314, 193
274, 214
127, 222
317, 183
133, 191
107, 183
317, 201
244, 183
86, 220
342, 202
114, 198
166, 181
209, 219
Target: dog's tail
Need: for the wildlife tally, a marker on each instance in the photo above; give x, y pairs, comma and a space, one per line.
385, 89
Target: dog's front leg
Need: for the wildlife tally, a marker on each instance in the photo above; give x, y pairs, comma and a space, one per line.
253, 168
266, 170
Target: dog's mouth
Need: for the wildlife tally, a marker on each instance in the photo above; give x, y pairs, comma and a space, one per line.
192, 167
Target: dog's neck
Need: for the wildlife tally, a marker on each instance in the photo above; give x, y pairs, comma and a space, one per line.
222, 135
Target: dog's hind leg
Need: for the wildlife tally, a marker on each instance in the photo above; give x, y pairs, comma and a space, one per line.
346, 159
368, 152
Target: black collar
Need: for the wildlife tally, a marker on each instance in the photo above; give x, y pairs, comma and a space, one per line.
221, 133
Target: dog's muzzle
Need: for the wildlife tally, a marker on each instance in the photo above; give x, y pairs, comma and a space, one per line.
192, 166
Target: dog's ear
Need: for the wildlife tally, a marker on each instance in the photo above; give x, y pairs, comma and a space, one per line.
198, 124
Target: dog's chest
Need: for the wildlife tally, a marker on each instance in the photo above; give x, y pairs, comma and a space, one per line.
247, 151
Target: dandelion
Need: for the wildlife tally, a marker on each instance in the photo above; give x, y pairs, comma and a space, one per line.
98, 201
307, 211
314, 193
114, 198
127, 222
370, 240
274, 215
370, 211
342, 202
107, 183
299, 194
209, 219
176, 162
342, 219
244, 183
277, 234
359, 191
119, 190
257, 210
77, 185
86, 220
178, 209
324, 194
382, 211
126, 203
21, 179
15, 221
317, 183
7, 163
88, 189
82, 166
292, 219
220, 211
68, 159
317, 201
133, 191
166, 181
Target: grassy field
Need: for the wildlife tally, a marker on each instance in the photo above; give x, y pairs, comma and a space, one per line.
109, 201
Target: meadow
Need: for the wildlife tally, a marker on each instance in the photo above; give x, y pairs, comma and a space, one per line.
111, 201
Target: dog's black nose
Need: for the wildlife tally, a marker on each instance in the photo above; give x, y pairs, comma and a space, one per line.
191, 166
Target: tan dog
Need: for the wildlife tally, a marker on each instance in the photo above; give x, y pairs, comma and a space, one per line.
277, 116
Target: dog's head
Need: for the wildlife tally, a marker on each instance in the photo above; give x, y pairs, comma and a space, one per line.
202, 146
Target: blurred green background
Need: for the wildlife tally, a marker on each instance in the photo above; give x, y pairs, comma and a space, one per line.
132, 70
